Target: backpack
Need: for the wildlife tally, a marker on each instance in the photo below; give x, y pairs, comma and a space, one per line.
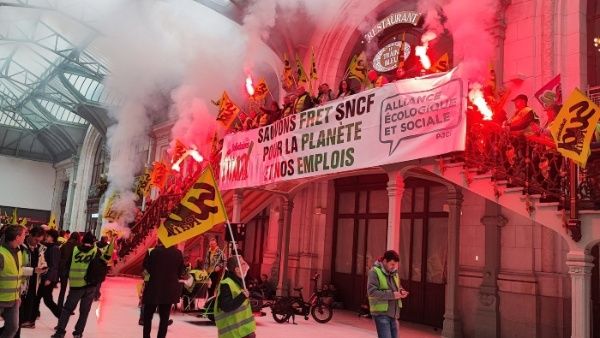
97, 270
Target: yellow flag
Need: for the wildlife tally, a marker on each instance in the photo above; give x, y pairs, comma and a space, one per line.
23, 221
52, 222
574, 127
442, 64
358, 67
260, 90
301, 73
228, 111
15, 219
287, 78
198, 211
313, 66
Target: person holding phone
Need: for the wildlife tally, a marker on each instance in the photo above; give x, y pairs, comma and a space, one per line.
385, 294
35, 253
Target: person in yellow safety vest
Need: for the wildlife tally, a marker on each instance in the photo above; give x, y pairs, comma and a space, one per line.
385, 293
80, 291
11, 274
233, 313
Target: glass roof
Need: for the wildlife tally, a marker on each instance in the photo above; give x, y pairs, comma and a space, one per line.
47, 72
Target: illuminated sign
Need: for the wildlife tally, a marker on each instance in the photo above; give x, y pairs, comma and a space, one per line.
397, 18
386, 58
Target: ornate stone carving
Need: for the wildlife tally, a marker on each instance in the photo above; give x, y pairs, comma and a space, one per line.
486, 299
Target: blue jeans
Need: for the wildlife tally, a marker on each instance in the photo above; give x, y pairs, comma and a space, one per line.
387, 327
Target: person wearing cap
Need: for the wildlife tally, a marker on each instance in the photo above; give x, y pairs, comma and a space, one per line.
233, 313
524, 121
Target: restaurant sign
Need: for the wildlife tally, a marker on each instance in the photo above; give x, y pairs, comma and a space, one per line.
386, 58
409, 17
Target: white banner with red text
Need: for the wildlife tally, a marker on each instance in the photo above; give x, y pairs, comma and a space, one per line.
401, 121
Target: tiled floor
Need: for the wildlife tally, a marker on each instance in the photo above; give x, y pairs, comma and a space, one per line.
116, 315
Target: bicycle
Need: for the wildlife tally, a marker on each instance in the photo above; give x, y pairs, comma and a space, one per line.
318, 306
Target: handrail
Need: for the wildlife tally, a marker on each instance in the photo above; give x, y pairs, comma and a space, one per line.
533, 163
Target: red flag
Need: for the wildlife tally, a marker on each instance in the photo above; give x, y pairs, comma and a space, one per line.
550, 93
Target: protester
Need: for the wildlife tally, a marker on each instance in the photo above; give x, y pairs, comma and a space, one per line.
233, 313
35, 253
102, 245
385, 293
344, 89
214, 263
524, 121
81, 290
325, 94
66, 253
11, 265
50, 278
165, 268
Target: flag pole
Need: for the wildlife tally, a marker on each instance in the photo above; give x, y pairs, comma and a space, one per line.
235, 250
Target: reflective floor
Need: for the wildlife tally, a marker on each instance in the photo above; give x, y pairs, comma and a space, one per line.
116, 315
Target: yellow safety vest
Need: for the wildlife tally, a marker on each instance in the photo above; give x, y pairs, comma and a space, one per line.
79, 264
237, 323
10, 277
381, 305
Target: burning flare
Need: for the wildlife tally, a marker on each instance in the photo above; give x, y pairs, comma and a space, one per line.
192, 151
476, 96
249, 86
421, 51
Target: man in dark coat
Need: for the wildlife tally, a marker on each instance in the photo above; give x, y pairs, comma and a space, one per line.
165, 267
50, 279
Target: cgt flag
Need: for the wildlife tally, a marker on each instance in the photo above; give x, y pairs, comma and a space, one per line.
228, 111
302, 77
200, 209
574, 127
52, 223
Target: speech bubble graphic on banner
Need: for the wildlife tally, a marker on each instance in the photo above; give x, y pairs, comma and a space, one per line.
413, 114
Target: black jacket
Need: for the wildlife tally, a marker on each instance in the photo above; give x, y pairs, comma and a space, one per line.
66, 254
165, 266
226, 301
52, 256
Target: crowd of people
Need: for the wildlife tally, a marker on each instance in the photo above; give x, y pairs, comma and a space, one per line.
33, 261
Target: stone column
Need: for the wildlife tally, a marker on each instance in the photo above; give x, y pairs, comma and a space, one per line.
452, 324
395, 190
286, 211
488, 315
70, 174
580, 269
238, 199
276, 268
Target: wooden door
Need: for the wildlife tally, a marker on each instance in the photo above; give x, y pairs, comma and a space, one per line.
423, 250
360, 234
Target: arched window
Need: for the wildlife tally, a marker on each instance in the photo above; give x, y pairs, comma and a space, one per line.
99, 163
593, 34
